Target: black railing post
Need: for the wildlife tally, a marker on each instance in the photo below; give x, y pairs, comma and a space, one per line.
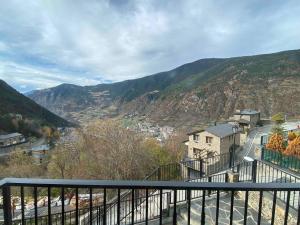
201, 168
49, 207
159, 173
230, 158
262, 153
175, 207
169, 203
7, 205
226, 178
209, 180
254, 170
203, 208
189, 206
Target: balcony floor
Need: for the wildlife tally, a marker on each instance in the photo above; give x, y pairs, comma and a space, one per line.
224, 212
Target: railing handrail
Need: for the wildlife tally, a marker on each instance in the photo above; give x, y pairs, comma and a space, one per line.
289, 172
207, 157
134, 184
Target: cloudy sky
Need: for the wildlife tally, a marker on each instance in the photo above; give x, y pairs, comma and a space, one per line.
44, 43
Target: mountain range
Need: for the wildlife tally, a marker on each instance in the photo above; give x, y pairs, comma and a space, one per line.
12, 103
189, 95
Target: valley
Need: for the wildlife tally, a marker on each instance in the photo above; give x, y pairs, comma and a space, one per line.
191, 95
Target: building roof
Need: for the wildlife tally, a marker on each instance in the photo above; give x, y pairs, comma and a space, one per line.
195, 132
221, 130
246, 112
7, 136
41, 148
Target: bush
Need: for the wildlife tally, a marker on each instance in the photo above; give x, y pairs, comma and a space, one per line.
278, 118
291, 136
294, 147
276, 143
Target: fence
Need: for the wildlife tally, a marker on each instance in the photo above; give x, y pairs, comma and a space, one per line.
136, 204
263, 172
288, 162
152, 206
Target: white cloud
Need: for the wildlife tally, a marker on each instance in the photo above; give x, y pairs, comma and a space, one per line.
45, 43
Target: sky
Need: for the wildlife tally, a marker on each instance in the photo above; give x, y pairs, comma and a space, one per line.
44, 43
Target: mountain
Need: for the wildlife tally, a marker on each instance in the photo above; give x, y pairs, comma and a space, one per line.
194, 93
13, 102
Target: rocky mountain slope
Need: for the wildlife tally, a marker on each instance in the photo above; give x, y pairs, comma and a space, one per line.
202, 91
13, 102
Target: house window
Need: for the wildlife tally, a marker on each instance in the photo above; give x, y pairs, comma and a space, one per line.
209, 140
196, 137
196, 152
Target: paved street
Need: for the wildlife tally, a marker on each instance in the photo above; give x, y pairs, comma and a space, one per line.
254, 138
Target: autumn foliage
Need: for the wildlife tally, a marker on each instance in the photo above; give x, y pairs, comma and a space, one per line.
294, 147
276, 142
291, 136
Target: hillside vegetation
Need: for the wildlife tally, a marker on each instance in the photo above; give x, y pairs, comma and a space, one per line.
17, 112
197, 92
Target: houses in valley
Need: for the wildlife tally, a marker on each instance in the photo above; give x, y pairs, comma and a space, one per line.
7, 140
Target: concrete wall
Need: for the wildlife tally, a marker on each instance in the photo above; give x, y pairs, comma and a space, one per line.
243, 138
228, 141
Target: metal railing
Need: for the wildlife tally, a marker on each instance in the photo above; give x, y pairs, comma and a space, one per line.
257, 171
118, 205
163, 206
197, 168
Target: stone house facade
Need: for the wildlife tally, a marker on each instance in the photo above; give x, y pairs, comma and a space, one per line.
213, 140
247, 118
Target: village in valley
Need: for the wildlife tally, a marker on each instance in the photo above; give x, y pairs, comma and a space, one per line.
130, 112
245, 136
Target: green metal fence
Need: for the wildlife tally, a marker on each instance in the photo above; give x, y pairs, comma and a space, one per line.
288, 162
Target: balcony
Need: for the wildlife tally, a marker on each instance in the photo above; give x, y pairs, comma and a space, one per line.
264, 194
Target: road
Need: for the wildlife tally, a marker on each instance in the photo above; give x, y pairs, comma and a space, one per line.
254, 138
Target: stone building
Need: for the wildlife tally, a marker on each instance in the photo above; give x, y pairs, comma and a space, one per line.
212, 140
39, 153
247, 118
